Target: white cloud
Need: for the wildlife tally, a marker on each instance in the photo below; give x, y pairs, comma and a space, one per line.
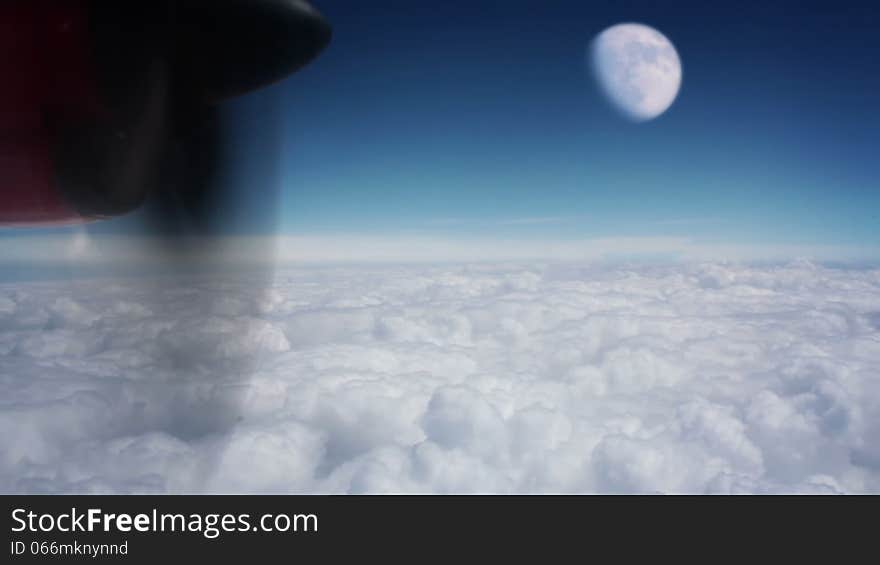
563, 377
77, 251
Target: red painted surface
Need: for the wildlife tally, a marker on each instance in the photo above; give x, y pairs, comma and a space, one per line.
46, 83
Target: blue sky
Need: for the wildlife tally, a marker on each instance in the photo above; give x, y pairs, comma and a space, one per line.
474, 117
480, 120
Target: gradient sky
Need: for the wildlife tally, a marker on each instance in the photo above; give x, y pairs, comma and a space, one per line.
481, 119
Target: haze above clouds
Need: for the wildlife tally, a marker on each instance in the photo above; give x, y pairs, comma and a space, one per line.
477, 378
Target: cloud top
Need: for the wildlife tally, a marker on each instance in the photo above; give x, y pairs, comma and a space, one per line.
693, 378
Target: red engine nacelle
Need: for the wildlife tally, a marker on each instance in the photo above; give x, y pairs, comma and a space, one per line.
46, 81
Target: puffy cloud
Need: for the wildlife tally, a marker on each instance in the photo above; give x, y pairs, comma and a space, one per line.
704, 378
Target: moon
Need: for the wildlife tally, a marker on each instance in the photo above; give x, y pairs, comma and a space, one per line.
638, 69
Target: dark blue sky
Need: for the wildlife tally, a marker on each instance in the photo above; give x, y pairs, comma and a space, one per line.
481, 117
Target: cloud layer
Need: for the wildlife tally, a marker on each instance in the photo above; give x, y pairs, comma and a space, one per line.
79, 251
479, 378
